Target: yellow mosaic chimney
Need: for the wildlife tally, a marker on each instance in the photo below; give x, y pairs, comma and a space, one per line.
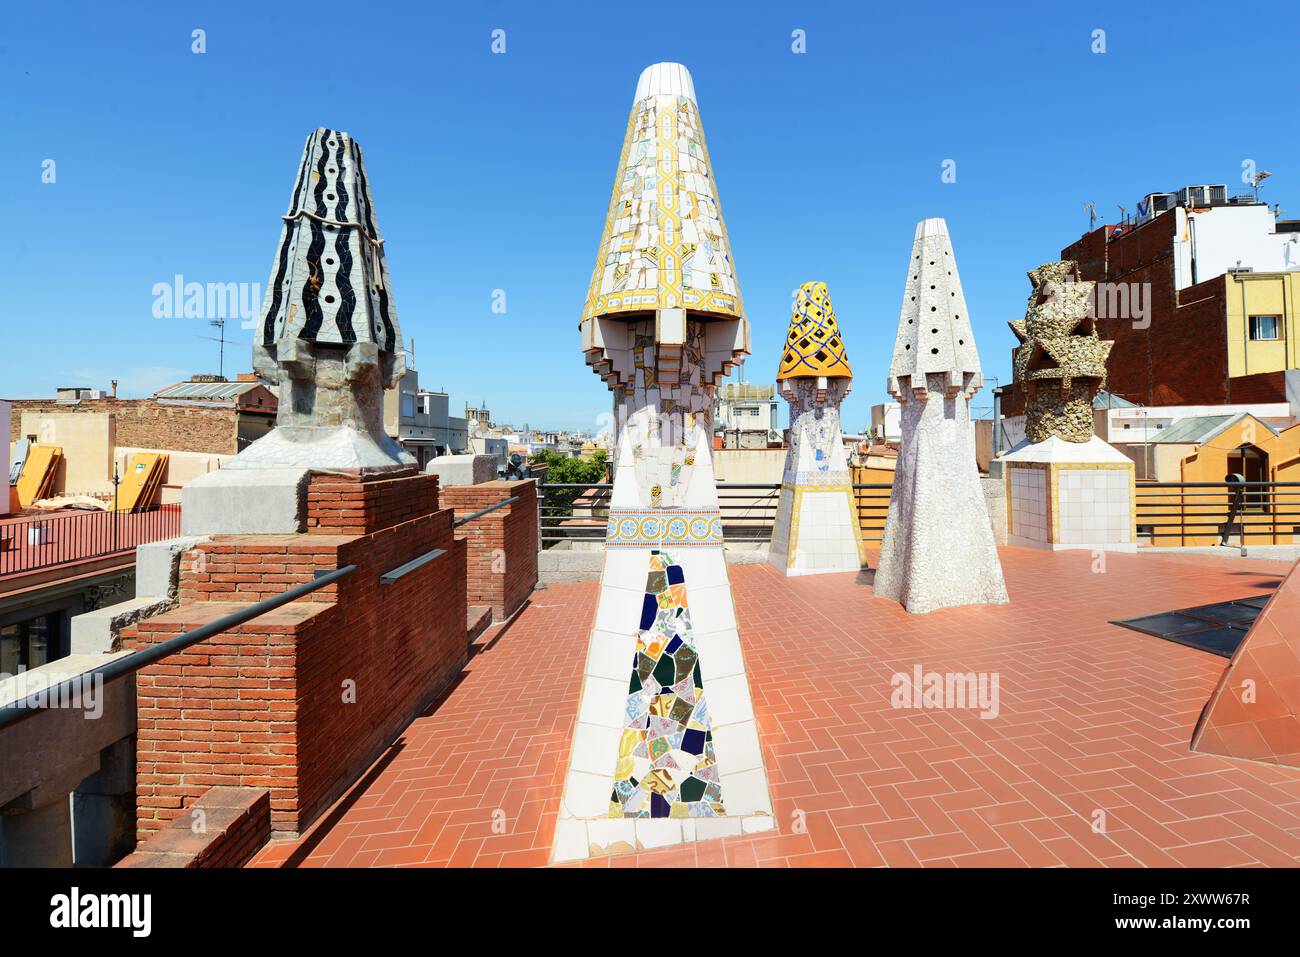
814, 347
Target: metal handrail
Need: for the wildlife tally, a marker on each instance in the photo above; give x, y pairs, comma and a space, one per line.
1146, 485
479, 514
147, 656
1256, 511
72, 536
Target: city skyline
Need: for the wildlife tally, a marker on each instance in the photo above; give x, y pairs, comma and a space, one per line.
491, 197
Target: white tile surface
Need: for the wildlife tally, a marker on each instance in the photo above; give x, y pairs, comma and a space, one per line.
603, 702
595, 750
570, 841
586, 795
728, 703
736, 747
610, 656
745, 792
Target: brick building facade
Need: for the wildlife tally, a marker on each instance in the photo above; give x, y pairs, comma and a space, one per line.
148, 424
1190, 345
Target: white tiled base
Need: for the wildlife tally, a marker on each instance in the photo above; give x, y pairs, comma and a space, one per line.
821, 535
584, 828
1065, 495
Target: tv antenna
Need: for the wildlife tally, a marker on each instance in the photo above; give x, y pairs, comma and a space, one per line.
220, 324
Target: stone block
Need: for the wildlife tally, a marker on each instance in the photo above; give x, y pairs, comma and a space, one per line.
463, 469
245, 502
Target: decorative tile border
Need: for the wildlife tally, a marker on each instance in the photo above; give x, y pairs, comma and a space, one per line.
664, 527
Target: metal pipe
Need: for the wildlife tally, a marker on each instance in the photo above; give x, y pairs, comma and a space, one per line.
491, 508
147, 656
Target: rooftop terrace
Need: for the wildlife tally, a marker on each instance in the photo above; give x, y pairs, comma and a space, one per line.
1085, 764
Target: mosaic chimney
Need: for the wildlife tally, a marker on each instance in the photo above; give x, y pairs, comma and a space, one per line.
938, 549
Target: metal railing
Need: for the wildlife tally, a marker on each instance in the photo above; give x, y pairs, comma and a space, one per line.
1211, 513
577, 512
43, 541
70, 689
484, 511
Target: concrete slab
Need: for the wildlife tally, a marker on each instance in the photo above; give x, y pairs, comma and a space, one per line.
463, 469
269, 501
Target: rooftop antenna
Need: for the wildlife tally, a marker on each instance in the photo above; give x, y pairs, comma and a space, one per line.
221, 355
1091, 207
1258, 178
1123, 214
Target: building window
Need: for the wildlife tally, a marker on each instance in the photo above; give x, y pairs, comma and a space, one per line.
28, 644
1264, 327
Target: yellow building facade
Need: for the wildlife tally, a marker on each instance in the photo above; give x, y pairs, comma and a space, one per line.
1263, 322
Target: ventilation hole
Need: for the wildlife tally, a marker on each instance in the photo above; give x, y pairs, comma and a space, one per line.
934, 308
332, 170
329, 195
961, 342
934, 352
931, 262
931, 287
913, 299
934, 332
907, 347
329, 262
329, 298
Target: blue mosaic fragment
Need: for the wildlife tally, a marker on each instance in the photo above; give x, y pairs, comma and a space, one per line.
693, 741
649, 608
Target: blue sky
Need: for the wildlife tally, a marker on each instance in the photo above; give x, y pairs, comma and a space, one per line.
493, 171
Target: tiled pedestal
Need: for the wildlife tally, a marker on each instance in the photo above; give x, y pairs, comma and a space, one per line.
1070, 495
666, 748
816, 528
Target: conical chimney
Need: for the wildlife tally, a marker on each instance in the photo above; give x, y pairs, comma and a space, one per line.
934, 331
664, 251
329, 281
814, 347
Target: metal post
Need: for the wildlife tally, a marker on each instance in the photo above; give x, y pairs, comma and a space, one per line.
116, 481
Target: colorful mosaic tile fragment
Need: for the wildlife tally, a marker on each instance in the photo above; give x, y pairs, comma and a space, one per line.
666, 765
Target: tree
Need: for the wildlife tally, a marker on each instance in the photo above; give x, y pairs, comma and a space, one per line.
566, 470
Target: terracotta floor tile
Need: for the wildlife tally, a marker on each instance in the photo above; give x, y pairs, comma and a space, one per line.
1091, 717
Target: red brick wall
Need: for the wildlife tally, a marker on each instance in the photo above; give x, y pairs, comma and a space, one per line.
233, 825
348, 505
1181, 358
502, 555
1260, 387
146, 424
263, 705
